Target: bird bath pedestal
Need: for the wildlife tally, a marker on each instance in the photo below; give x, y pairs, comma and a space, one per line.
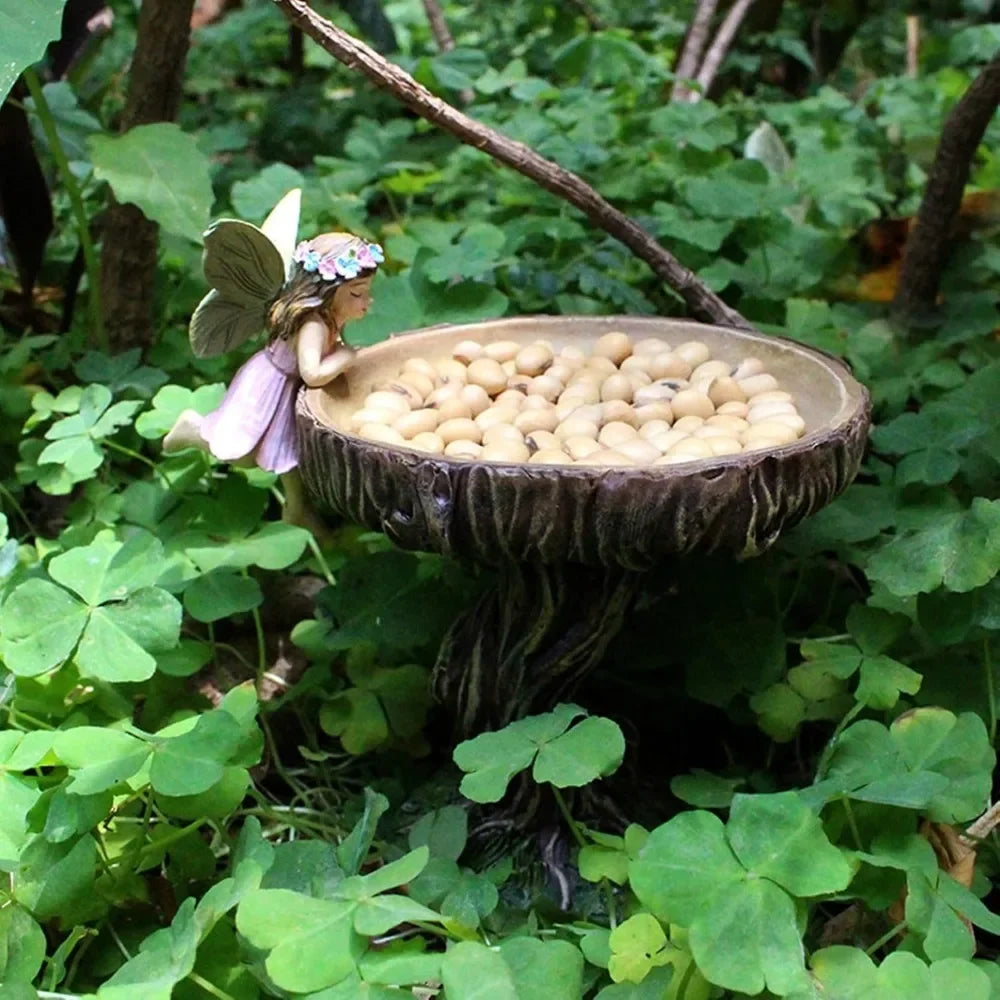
571, 544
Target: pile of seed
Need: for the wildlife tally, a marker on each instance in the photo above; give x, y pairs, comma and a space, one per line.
642, 403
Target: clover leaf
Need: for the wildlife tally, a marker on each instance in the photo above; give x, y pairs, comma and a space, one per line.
170, 401
522, 968
113, 625
562, 756
637, 946
734, 886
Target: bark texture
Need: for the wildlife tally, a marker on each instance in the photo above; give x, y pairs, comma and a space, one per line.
721, 45
694, 45
128, 257
927, 247
699, 298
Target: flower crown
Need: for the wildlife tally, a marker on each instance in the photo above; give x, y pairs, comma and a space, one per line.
347, 265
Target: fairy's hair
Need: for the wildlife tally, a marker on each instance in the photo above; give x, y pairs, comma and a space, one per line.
308, 291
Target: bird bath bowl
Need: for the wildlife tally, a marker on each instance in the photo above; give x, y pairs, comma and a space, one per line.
571, 544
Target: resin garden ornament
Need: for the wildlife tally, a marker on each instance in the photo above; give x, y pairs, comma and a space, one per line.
303, 295
439, 439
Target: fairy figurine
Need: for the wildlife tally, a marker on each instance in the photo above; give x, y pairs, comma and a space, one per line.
304, 298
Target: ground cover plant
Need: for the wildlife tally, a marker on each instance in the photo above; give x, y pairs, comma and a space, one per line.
221, 770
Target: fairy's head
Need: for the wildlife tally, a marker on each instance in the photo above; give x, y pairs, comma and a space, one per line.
331, 274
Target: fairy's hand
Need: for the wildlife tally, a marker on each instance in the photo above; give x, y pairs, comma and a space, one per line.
316, 367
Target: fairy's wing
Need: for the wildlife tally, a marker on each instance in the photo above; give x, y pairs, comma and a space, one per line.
241, 263
282, 225
246, 272
218, 324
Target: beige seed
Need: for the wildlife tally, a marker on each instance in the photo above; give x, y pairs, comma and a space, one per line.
601, 364
760, 411
637, 363
381, 433
453, 390
616, 347
654, 411
549, 456
416, 422
454, 408
450, 370
792, 420
733, 424
653, 428
576, 427
486, 372
495, 415
694, 352
502, 350
773, 396
618, 410
533, 360
650, 346
725, 390
709, 431
463, 449
770, 429
580, 446
502, 432
574, 355
724, 445
711, 369
748, 367
428, 441
413, 398
421, 367
561, 371
664, 442
692, 447
542, 441
512, 398
607, 456
688, 424
612, 434
459, 429
616, 387
421, 384
509, 369
734, 409
669, 365
536, 420
641, 452
519, 383
384, 400
537, 403
763, 444
372, 416
475, 397
758, 383
638, 379
546, 386
505, 451
467, 351
690, 403
657, 392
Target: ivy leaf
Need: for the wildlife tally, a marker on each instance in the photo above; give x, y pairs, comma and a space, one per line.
161, 170
26, 29
960, 551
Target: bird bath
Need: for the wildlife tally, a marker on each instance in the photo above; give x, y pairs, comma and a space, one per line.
571, 544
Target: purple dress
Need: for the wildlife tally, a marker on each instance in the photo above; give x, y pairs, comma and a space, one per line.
257, 414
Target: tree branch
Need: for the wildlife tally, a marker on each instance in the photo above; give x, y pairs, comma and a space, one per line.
694, 45
698, 297
443, 37
927, 247
720, 45
590, 15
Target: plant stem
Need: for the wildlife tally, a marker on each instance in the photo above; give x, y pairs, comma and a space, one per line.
852, 822
208, 987
824, 761
44, 112
12, 500
886, 938
990, 691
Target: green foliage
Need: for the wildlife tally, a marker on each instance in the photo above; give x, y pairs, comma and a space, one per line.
222, 770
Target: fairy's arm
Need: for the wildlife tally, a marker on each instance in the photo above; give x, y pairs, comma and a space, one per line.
314, 368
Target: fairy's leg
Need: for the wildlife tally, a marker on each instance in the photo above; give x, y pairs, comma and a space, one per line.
299, 511
186, 433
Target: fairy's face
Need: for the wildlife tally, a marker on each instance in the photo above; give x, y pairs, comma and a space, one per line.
351, 300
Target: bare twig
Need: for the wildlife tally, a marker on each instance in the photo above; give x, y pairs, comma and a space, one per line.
694, 45
927, 247
443, 37
720, 45
354, 54
590, 15
912, 45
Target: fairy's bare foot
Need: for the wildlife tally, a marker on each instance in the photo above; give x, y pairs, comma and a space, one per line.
186, 433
